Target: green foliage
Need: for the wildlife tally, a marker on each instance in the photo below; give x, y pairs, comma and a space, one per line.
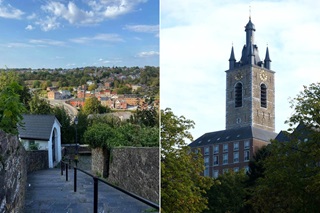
82, 126
11, 108
111, 120
126, 134
93, 106
67, 130
124, 90
135, 135
39, 106
307, 107
291, 180
101, 135
146, 117
228, 194
182, 186
92, 87
34, 146
36, 84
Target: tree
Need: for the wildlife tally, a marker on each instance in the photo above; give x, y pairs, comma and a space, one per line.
147, 117
291, 181
11, 108
67, 130
39, 106
101, 135
93, 106
36, 84
228, 195
182, 186
92, 87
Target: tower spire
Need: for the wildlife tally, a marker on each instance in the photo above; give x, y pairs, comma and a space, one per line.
232, 59
267, 60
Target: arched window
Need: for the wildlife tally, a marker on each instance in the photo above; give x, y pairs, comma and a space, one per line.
263, 95
238, 95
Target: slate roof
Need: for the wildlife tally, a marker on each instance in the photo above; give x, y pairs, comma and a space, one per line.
235, 134
37, 127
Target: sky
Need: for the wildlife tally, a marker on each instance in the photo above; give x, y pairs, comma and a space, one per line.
196, 40
79, 33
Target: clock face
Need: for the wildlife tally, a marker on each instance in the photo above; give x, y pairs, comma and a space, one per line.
263, 76
238, 76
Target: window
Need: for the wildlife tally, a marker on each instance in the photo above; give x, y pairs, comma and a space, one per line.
206, 172
246, 155
225, 171
215, 173
238, 95
263, 98
225, 158
225, 147
236, 169
216, 160
246, 144
206, 150
236, 146
235, 157
216, 149
206, 161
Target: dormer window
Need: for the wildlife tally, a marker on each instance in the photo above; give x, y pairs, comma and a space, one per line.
238, 95
263, 97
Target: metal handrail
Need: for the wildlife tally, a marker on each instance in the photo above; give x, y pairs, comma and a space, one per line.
96, 179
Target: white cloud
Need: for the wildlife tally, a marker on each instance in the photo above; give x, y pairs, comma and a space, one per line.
98, 11
143, 28
50, 23
148, 54
46, 42
99, 37
29, 27
7, 11
18, 45
32, 16
195, 45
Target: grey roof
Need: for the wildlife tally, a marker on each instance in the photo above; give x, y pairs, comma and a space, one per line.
235, 134
37, 127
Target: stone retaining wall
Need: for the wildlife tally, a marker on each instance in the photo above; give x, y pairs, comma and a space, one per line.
37, 160
13, 173
133, 169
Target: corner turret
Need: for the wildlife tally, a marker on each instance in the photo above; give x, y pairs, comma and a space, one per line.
232, 60
267, 60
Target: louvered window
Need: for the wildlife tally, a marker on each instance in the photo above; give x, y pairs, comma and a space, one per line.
238, 95
263, 97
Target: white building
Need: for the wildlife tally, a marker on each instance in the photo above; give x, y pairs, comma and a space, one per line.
43, 132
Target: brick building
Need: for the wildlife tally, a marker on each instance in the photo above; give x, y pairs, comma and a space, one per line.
250, 112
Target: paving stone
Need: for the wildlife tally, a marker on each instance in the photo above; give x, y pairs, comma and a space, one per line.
49, 192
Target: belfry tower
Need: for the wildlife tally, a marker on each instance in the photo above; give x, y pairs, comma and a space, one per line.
250, 92
250, 112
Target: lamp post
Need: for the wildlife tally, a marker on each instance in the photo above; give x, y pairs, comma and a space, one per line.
76, 157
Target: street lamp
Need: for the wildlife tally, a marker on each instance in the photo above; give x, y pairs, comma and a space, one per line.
76, 158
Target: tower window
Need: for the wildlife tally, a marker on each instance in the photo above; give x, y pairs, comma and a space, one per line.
238, 95
263, 98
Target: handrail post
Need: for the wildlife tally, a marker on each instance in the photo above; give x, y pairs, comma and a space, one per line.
67, 172
61, 166
75, 179
95, 195
69, 163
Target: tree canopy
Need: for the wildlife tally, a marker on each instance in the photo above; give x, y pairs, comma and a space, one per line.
291, 180
182, 186
11, 108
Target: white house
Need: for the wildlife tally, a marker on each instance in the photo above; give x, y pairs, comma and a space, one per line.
44, 132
